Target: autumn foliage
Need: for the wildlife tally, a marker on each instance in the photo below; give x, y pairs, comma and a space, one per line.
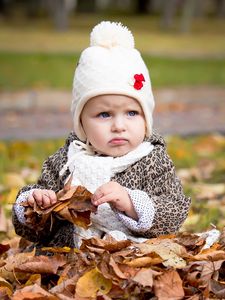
167, 267
73, 204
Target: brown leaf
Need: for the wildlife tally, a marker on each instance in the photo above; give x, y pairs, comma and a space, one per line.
74, 204
145, 277
7, 271
33, 292
145, 261
116, 268
5, 293
218, 288
4, 248
189, 240
209, 254
200, 273
79, 207
109, 244
42, 265
66, 285
168, 286
222, 237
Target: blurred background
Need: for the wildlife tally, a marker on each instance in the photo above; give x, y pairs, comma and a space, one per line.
183, 45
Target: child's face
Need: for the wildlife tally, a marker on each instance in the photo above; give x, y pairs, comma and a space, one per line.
113, 124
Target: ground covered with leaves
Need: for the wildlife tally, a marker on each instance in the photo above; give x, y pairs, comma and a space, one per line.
185, 266
170, 267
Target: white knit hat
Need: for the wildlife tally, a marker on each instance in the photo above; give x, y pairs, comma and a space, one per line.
111, 65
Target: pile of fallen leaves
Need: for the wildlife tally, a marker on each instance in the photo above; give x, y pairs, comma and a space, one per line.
169, 267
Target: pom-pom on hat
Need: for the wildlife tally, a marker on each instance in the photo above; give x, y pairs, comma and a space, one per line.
111, 65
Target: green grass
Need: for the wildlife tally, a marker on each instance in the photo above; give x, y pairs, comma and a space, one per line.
33, 70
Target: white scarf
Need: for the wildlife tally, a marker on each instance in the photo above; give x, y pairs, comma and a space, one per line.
91, 170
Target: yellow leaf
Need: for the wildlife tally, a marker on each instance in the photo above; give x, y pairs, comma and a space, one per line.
3, 221
170, 252
91, 282
60, 250
34, 278
5, 283
13, 180
11, 197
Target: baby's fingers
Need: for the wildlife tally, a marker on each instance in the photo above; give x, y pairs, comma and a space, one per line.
48, 198
97, 195
52, 197
103, 199
31, 200
38, 197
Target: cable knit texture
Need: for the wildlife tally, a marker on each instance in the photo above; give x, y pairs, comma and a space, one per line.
91, 170
153, 186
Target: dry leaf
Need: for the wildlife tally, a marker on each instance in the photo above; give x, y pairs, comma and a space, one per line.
5, 283
169, 286
111, 270
145, 277
170, 252
146, 261
91, 282
209, 254
222, 237
74, 204
4, 248
201, 272
3, 221
42, 264
33, 292
218, 288
11, 262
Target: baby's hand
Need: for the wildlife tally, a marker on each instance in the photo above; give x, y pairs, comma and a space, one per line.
115, 194
43, 198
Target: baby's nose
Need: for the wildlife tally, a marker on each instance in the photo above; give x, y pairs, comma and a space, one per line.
118, 124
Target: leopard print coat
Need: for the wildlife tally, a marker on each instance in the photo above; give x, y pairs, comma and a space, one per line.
153, 174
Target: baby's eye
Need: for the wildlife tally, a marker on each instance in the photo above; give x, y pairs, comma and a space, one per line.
103, 115
132, 113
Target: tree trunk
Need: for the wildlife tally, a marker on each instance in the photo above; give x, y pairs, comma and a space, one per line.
187, 15
60, 10
169, 10
143, 6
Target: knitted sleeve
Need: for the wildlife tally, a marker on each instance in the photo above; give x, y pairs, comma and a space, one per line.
49, 179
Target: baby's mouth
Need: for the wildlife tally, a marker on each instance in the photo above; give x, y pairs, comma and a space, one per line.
118, 141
